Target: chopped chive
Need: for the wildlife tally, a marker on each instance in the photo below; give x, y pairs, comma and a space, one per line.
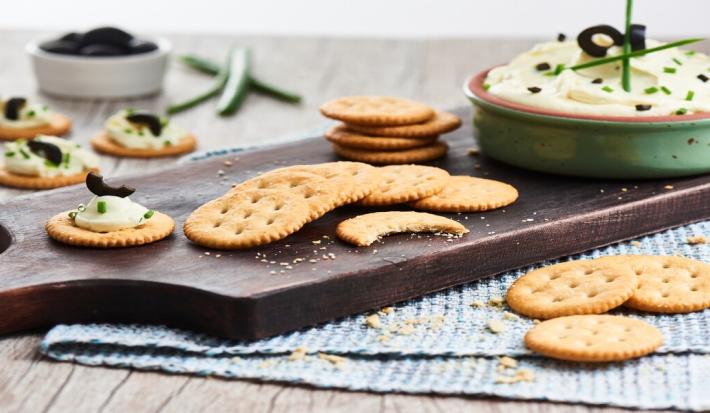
31, 114
24, 154
167, 143
669, 70
164, 122
703, 78
690, 53
78, 146
50, 164
534, 89
67, 158
148, 214
598, 81
486, 86
128, 131
550, 73
72, 214
681, 111
542, 66
690, 95
666, 90
678, 62
608, 89
650, 90
101, 207
10, 154
129, 110
140, 133
559, 68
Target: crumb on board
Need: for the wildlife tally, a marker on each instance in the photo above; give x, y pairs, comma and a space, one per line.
477, 304
496, 326
696, 240
373, 321
518, 376
636, 243
386, 311
506, 362
299, 353
510, 316
473, 151
668, 187
496, 301
333, 359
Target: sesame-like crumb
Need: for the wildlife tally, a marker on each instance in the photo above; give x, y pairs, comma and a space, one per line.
668, 187
333, 359
496, 326
373, 321
299, 353
697, 240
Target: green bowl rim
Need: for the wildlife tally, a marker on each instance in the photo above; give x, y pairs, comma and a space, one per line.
473, 89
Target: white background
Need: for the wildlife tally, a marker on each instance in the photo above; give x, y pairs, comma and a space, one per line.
381, 18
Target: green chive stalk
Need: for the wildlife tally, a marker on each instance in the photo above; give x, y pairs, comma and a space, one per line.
636, 53
626, 63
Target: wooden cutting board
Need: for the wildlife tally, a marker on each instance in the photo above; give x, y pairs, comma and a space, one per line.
260, 292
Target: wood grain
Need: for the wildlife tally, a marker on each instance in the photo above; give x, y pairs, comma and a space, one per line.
321, 69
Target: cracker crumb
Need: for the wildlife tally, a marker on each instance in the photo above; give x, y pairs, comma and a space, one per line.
496, 301
668, 187
388, 310
228, 163
636, 243
316, 242
299, 353
207, 253
496, 326
477, 304
520, 375
510, 316
697, 240
473, 152
506, 362
406, 329
333, 359
373, 321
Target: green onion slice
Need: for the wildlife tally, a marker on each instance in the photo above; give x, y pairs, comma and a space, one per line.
148, 214
101, 207
650, 90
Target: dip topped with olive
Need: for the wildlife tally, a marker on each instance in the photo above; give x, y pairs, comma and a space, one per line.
674, 81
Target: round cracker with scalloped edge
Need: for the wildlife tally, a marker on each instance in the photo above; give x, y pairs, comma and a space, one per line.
593, 338
355, 180
469, 194
377, 110
379, 157
59, 125
62, 228
345, 137
12, 180
404, 183
442, 122
104, 144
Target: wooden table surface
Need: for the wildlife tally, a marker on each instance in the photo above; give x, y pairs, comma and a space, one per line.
432, 71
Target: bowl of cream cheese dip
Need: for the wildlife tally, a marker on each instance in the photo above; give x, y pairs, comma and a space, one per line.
539, 112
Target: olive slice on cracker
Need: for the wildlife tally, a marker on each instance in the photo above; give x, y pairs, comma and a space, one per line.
149, 120
98, 187
13, 106
46, 150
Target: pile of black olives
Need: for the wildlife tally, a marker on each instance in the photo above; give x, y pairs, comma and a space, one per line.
102, 41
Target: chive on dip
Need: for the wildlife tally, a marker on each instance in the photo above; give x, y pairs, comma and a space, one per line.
669, 82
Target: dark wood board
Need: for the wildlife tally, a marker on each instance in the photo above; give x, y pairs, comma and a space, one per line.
236, 295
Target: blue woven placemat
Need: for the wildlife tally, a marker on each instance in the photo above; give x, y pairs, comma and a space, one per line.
439, 343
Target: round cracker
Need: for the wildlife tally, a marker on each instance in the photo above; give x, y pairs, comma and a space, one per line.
248, 218
442, 122
573, 287
10, 179
469, 194
355, 180
377, 110
667, 284
59, 125
405, 183
415, 155
593, 338
344, 137
62, 228
104, 144
363, 230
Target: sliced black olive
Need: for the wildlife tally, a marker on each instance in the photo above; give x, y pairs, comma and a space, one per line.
584, 39
597, 81
561, 37
642, 108
141, 46
60, 47
107, 35
46, 150
72, 37
98, 187
102, 50
13, 106
638, 37
703, 78
149, 120
534, 89
543, 66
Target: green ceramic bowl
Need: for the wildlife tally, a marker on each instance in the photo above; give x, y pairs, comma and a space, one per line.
592, 146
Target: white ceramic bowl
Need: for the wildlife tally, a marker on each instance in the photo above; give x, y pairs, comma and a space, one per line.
100, 77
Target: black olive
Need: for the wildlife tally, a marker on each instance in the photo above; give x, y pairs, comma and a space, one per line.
149, 120
543, 66
638, 37
72, 37
534, 89
60, 47
107, 35
13, 106
98, 187
46, 150
642, 108
101, 50
561, 37
140, 46
597, 81
584, 39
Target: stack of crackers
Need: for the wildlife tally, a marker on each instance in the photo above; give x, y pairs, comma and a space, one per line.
386, 130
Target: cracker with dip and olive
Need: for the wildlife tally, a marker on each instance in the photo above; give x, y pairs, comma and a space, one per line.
109, 220
22, 119
140, 134
45, 162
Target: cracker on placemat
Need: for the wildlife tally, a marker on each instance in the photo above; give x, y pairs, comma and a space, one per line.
40, 182
404, 183
104, 144
667, 284
442, 122
62, 228
248, 218
377, 110
414, 155
365, 229
593, 338
573, 287
345, 137
59, 125
354, 180
469, 194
